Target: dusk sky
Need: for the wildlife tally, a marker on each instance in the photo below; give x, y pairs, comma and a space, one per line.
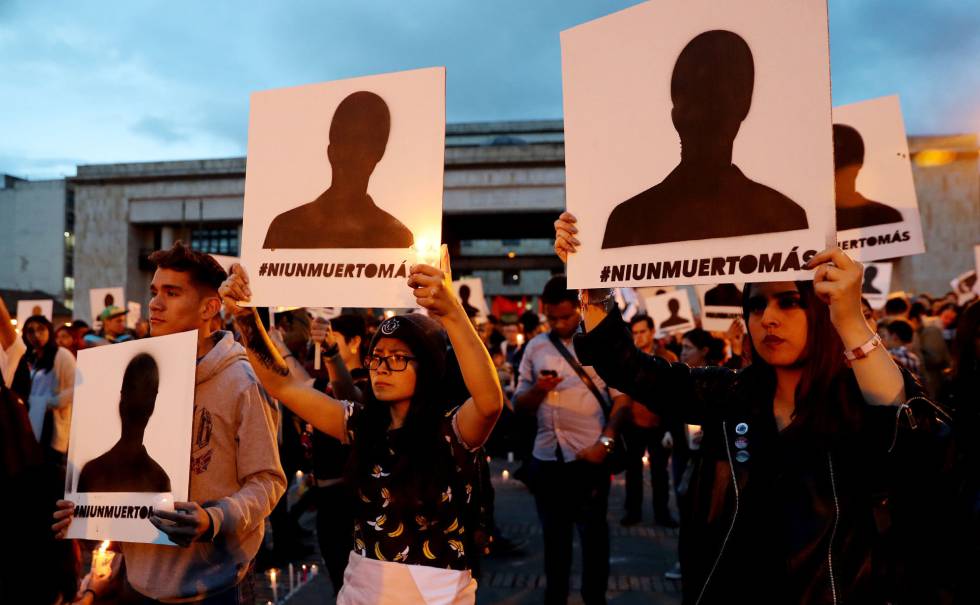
85, 83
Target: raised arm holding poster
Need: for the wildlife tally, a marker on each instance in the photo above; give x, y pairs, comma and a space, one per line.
130, 440
30, 308
697, 142
877, 210
343, 189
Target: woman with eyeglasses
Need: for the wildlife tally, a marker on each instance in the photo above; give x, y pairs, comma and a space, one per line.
793, 497
413, 460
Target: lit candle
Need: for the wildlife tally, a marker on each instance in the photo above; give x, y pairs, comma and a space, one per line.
646, 460
299, 476
314, 570
389, 314
302, 574
520, 339
102, 561
505, 474
275, 586
427, 251
292, 578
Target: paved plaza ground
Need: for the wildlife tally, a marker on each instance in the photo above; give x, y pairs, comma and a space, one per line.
639, 556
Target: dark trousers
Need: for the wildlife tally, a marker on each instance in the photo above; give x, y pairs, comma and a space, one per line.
569, 495
335, 529
638, 441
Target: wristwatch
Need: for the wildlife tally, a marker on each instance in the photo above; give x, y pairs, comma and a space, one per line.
607, 442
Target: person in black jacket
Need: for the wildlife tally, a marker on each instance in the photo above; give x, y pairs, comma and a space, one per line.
786, 503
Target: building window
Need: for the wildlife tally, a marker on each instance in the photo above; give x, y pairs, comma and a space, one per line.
216, 240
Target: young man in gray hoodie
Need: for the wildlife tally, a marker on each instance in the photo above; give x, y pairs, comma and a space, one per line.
236, 478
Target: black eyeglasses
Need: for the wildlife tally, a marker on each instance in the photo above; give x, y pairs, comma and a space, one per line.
394, 363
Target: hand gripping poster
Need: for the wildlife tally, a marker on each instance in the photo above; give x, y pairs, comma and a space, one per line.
343, 190
877, 210
130, 439
697, 142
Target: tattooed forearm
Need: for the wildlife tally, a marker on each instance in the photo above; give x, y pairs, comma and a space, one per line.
258, 343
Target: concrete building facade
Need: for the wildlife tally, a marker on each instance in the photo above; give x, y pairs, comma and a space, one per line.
36, 236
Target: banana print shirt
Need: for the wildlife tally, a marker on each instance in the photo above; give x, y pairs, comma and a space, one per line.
386, 529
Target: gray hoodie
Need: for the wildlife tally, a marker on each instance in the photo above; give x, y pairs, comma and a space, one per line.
235, 475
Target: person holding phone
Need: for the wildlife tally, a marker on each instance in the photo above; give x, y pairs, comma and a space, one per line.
575, 434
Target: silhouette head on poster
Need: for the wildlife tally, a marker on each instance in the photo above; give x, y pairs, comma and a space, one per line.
127, 467
853, 209
723, 295
711, 90
673, 306
345, 215
867, 284
464, 299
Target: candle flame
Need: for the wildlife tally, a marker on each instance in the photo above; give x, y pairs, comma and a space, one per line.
104, 547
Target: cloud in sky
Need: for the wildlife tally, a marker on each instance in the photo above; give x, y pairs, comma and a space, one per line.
134, 81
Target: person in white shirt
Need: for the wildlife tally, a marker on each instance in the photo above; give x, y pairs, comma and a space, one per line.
575, 435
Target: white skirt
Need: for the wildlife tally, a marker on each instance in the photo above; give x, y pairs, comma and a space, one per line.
372, 582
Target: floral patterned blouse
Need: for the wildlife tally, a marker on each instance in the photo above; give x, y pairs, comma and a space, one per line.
388, 531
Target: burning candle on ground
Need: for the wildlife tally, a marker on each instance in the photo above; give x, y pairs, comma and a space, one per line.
275, 585
314, 570
302, 574
505, 474
292, 578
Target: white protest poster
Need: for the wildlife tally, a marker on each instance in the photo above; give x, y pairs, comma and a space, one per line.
965, 286
696, 142
130, 439
343, 190
226, 261
470, 293
877, 209
876, 285
720, 305
29, 308
134, 313
671, 312
102, 298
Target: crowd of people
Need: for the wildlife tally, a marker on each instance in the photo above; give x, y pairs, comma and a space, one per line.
817, 451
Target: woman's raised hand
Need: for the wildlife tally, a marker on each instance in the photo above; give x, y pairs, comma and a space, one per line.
235, 290
565, 241
837, 282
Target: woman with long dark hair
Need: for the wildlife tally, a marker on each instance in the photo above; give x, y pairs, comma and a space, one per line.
413, 459
45, 381
796, 449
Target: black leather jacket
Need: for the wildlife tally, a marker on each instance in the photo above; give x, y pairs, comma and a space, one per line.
773, 516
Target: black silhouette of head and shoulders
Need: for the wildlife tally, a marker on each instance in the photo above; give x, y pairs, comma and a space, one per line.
127, 467
723, 295
674, 307
853, 209
464, 299
867, 284
345, 215
706, 196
